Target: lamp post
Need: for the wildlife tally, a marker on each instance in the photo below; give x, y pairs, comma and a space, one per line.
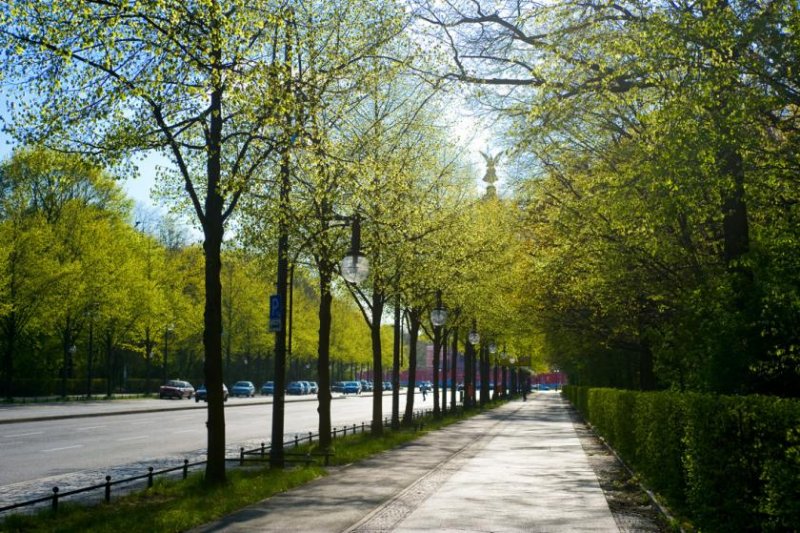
445, 334
355, 266
513, 372
453, 367
469, 371
493, 354
438, 319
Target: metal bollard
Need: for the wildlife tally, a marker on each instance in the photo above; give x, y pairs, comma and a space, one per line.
296, 441
149, 477
108, 489
263, 448
185, 468
362, 427
55, 499
354, 429
310, 437
241, 456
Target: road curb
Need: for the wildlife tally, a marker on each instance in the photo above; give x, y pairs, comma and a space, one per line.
142, 411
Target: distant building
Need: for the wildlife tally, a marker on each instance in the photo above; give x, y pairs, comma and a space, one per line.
425, 366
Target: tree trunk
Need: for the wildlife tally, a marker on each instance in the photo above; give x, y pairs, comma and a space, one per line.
484, 369
9, 330
469, 351
323, 352
213, 230
454, 369
437, 346
281, 348
396, 366
413, 332
377, 363
444, 371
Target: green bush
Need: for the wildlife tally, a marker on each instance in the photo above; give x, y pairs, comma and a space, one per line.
728, 463
659, 421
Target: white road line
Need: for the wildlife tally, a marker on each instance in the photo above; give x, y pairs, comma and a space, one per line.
87, 428
23, 434
140, 437
187, 431
64, 448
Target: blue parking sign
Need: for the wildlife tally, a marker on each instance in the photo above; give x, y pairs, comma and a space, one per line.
275, 312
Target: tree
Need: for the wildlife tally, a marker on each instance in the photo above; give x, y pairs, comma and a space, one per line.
195, 82
307, 194
650, 133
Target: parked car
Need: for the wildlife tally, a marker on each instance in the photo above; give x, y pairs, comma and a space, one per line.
313, 387
243, 388
425, 386
338, 386
176, 388
268, 388
295, 387
306, 387
387, 385
352, 387
366, 386
202, 393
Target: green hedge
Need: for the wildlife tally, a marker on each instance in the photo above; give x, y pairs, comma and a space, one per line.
727, 463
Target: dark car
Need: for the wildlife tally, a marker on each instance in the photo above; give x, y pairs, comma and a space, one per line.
425, 386
202, 393
387, 385
295, 387
176, 388
338, 386
268, 388
243, 388
351, 387
366, 386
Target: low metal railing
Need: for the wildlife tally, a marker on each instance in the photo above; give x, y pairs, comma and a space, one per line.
261, 451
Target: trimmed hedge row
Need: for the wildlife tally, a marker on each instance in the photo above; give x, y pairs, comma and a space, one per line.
728, 463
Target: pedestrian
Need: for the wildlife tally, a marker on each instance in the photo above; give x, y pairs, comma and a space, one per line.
424, 392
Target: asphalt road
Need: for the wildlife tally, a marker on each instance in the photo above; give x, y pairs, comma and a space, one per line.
48, 452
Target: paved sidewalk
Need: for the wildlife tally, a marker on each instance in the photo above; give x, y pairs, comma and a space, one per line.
520, 467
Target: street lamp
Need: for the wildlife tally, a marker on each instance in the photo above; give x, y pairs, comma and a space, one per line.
438, 319
470, 365
439, 313
355, 266
493, 353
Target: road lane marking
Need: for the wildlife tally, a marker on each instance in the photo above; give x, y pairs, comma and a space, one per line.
187, 431
140, 437
64, 448
23, 434
87, 428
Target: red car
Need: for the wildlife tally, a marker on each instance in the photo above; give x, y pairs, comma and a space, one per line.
176, 388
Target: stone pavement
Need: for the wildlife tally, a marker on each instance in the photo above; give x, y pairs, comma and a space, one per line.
519, 467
